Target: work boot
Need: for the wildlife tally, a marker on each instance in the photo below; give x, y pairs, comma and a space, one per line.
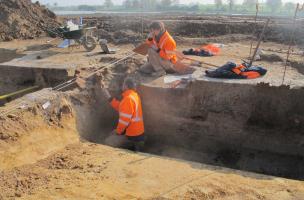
158, 73
139, 146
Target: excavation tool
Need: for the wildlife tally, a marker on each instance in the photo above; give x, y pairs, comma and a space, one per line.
259, 42
198, 62
255, 24
30, 89
292, 36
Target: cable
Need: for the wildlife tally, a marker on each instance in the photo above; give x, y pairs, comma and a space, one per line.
70, 82
95, 72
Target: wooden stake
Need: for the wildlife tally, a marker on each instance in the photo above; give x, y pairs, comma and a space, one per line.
259, 42
291, 40
255, 24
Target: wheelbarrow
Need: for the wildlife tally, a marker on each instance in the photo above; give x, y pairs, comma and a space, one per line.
82, 36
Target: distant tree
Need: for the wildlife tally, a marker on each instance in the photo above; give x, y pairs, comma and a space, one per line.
218, 4
136, 4
290, 7
108, 4
175, 2
231, 4
194, 7
274, 5
250, 4
165, 3
148, 4
127, 4
55, 4
152, 4
86, 8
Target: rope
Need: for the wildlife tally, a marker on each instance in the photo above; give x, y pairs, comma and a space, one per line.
68, 83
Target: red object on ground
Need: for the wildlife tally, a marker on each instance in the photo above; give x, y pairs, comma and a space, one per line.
211, 48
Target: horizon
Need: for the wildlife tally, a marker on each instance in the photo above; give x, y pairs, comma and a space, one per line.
119, 2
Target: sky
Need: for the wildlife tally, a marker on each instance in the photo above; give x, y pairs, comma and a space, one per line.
100, 2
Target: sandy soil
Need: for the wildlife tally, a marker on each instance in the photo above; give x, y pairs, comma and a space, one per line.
43, 158
90, 171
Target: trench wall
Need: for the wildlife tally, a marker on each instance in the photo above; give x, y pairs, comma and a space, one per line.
15, 78
211, 116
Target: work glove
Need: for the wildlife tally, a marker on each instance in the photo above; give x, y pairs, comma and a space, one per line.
105, 92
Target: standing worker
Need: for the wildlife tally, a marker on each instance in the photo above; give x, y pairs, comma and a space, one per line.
130, 129
162, 55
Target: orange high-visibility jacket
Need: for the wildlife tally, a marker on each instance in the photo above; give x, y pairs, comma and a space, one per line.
166, 43
248, 74
130, 114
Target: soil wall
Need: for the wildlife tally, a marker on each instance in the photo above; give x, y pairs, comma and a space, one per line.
234, 115
17, 78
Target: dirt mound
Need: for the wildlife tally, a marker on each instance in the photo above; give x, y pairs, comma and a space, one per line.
22, 19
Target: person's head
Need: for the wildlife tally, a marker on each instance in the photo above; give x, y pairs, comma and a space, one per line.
128, 84
157, 27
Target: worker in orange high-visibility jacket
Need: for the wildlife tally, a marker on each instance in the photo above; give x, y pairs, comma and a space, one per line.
162, 55
129, 132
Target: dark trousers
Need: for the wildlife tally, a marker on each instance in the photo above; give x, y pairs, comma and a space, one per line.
122, 141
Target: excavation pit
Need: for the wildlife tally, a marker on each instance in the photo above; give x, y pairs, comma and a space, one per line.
22, 71
257, 128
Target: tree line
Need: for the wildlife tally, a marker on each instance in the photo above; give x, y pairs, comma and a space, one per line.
220, 6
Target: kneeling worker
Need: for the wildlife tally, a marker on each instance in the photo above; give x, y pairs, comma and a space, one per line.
130, 129
162, 55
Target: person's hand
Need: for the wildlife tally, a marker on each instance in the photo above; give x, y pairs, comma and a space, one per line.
80, 82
